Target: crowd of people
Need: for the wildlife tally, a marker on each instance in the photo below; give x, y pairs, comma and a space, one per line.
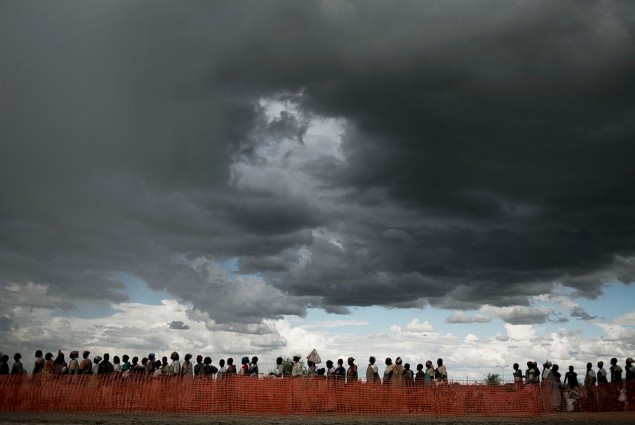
396, 373
597, 391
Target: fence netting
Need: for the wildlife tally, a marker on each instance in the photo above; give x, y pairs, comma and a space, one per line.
249, 396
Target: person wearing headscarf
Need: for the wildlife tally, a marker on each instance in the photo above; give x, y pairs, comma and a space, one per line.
550, 388
297, 369
397, 373
17, 368
351, 373
244, 368
96, 361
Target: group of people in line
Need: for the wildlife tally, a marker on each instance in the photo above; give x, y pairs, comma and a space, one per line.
397, 373
150, 365
597, 390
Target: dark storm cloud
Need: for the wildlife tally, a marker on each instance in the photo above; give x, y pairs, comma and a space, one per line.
178, 325
487, 151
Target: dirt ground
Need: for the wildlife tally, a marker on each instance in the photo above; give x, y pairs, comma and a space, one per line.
614, 418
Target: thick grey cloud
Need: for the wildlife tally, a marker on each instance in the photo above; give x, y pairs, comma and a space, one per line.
178, 325
487, 152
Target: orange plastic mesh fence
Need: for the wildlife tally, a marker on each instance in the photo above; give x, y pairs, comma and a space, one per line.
250, 396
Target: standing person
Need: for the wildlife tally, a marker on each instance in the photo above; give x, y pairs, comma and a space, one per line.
616, 371
278, 371
165, 366
244, 368
441, 372
372, 372
555, 371
629, 385
105, 367
397, 373
126, 366
59, 365
48, 364
136, 367
518, 376
601, 374
340, 372
17, 368
550, 387
231, 367
221, 369
4, 365
420, 376
572, 379
175, 366
116, 364
312, 371
73, 365
388, 371
351, 373
297, 369
429, 373
85, 366
187, 369
149, 366
253, 367
589, 384
531, 374
199, 365
408, 376
616, 385
330, 370
96, 361
208, 370
38, 365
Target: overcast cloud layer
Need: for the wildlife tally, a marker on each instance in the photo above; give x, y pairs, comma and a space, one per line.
258, 158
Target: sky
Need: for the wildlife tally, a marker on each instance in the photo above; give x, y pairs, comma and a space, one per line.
431, 179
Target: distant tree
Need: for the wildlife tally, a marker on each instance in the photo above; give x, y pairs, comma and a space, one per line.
288, 365
493, 379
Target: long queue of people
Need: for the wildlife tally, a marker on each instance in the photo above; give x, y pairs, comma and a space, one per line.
597, 391
396, 373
